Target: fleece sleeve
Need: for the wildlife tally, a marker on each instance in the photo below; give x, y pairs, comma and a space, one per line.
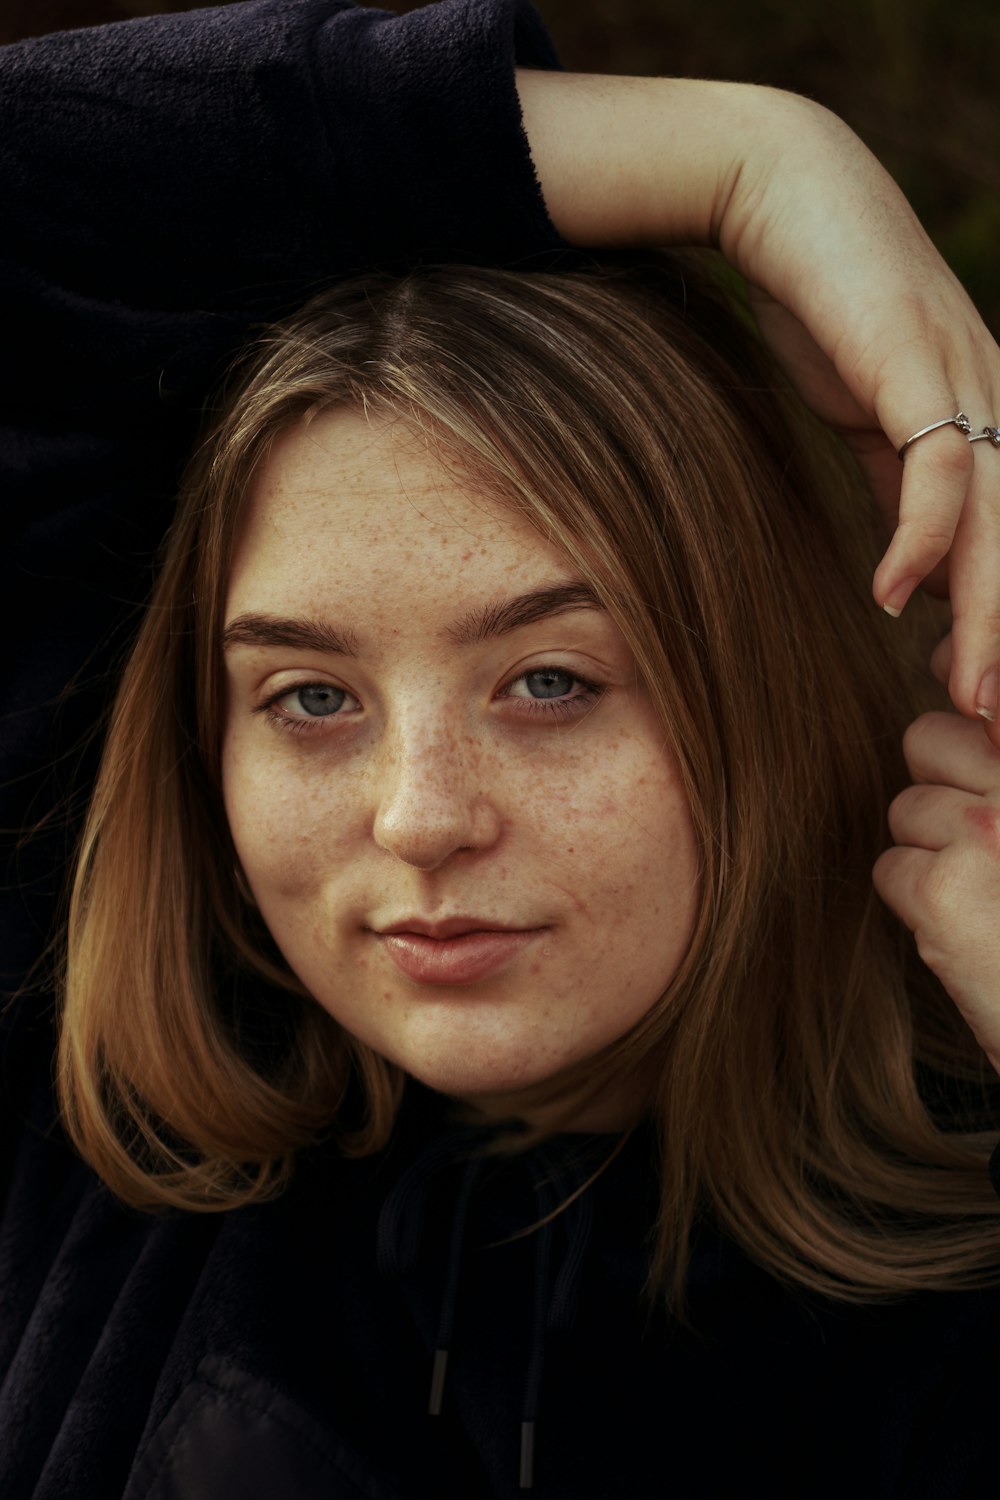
170, 179
169, 182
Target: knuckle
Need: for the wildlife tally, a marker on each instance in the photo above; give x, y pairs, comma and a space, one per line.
917, 735
896, 812
905, 805
886, 874
930, 536
925, 542
984, 819
952, 460
936, 889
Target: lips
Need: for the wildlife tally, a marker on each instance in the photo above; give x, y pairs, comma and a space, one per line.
448, 927
455, 950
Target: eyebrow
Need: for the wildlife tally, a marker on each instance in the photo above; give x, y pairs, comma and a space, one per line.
504, 615
301, 635
485, 623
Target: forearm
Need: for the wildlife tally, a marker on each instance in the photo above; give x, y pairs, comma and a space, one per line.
625, 161
769, 177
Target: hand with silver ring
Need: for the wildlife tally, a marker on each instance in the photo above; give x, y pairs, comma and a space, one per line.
877, 335
887, 348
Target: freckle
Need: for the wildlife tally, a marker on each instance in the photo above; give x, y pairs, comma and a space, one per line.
387, 994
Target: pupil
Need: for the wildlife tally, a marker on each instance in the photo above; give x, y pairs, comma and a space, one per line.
549, 683
319, 701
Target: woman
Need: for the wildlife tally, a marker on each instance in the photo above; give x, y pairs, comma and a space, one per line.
193, 1351
443, 756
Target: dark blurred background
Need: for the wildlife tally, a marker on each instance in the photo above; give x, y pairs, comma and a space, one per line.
917, 79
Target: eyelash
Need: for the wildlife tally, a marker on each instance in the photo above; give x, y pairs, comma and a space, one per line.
551, 707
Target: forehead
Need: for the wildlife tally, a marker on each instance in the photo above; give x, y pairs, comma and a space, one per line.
348, 507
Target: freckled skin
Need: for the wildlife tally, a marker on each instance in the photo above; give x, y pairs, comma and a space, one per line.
439, 789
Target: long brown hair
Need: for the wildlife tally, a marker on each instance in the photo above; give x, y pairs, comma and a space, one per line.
815, 1090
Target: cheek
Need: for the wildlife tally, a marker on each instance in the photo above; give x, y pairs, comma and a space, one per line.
286, 828
621, 846
650, 889
625, 830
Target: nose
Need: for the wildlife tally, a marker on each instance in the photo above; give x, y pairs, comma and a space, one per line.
433, 799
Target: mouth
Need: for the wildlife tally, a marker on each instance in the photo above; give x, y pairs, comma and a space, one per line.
449, 927
455, 950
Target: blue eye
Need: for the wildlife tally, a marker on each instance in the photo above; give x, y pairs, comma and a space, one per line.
319, 700
300, 708
549, 682
552, 690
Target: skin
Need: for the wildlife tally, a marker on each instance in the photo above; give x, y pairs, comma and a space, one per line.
942, 878
440, 787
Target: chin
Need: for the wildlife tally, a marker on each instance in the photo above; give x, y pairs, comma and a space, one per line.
481, 1087
482, 1079
521, 1090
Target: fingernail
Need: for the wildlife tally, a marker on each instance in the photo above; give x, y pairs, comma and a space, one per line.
896, 601
986, 698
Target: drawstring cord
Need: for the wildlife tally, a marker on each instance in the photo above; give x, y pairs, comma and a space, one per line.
533, 1374
558, 1311
400, 1233
447, 1319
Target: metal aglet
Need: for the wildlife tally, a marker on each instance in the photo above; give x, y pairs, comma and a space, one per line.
527, 1478
437, 1381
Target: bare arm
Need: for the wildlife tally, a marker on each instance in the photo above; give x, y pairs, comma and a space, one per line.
873, 328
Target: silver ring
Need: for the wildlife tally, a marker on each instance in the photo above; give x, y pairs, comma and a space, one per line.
960, 420
993, 433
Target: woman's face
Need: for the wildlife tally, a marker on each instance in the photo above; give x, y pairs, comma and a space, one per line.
447, 788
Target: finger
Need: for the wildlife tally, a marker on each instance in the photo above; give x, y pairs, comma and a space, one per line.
944, 750
975, 579
941, 660
937, 474
940, 664
930, 817
949, 907
899, 876
974, 549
